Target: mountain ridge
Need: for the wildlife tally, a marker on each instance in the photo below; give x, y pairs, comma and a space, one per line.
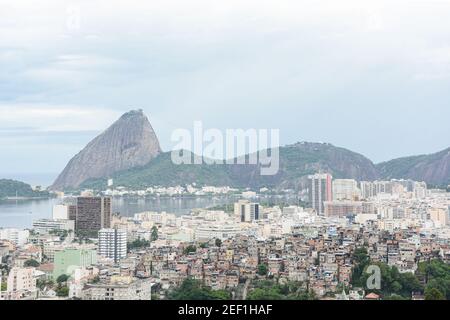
433, 168
296, 161
129, 152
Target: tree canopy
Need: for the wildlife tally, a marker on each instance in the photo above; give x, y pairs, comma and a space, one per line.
192, 289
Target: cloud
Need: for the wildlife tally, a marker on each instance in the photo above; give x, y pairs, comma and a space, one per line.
354, 73
41, 117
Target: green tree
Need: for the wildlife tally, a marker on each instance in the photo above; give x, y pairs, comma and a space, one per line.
31, 263
41, 284
395, 297
434, 294
138, 243
262, 269
62, 291
361, 260
62, 278
271, 290
263, 294
154, 235
437, 274
192, 289
190, 248
393, 282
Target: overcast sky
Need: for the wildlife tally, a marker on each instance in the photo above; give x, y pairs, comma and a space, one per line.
370, 76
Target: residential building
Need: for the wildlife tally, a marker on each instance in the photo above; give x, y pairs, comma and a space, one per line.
21, 282
247, 211
67, 260
17, 236
112, 243
320, 190
119, 288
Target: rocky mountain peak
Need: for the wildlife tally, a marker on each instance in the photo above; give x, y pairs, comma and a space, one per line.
129, 142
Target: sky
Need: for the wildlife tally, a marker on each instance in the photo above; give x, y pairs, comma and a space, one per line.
370, 76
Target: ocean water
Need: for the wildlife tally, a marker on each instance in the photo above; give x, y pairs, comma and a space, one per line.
21, 213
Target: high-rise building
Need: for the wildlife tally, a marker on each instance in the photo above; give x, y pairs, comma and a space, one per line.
420, 190
368, 189
247, 211
93, 214
383, 187
320, 190
112, 243
345, 189
72, 213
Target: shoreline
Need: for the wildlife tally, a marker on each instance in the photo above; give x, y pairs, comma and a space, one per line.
24, 198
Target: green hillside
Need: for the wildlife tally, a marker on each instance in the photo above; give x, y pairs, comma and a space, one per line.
11, 188
296, 162
433, 168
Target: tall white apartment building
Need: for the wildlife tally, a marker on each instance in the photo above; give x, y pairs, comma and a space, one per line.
247, 211
112, 243
320, 190
420, 190
368, 189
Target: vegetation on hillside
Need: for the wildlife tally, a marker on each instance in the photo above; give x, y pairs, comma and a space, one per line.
431, 168
192, 289
13, 188
271, 290
432, 277
296, 162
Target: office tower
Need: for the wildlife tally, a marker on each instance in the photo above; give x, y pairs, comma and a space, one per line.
345, 189
112, 243
247, 211
320, 190
93, 214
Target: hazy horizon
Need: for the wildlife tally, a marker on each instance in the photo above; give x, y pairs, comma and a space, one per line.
371, 76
